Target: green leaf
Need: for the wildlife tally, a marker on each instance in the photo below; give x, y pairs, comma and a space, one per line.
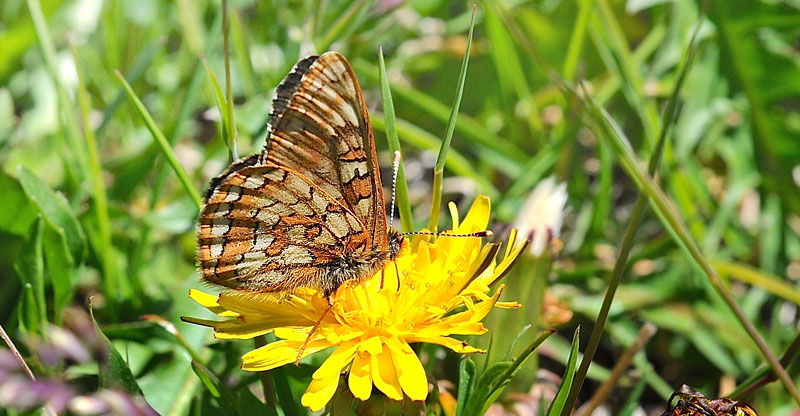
249, 405
114, 372
438, 170
484, 388
226, 398
30, 268
16, 212
56, 211
557, 405
466, 382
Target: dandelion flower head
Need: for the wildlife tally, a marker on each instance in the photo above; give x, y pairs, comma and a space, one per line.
435, 289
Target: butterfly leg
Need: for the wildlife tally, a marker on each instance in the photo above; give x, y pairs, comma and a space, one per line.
397, 273
311, 333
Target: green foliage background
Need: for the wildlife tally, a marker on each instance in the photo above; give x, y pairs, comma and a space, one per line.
92, 208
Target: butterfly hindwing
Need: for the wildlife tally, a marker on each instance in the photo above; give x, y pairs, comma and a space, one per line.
266, 228
320, 128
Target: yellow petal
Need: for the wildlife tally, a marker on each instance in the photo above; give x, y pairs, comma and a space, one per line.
478, 215
265, 304
209, 302
319, 392
339, 358
359, 380
409, 370
278, 353
452, 343
384, 375
371, 345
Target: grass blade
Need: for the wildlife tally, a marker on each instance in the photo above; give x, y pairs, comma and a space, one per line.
228, 121
105, 247
670, 114
558, 406
438, 170
403, 204
164, 146
607, 130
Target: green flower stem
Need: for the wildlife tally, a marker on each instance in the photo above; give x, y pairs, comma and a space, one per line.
164, 146
438, 170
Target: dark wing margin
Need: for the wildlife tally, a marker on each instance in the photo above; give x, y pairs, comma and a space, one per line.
319, 127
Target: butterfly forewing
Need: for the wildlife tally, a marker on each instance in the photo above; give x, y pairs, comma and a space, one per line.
319, 127
266, 228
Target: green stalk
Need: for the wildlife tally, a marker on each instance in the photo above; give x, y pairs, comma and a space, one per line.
764, 376
163, 145
438, 170
609, 131
228, 90
670, 114
401, 190
106, 248
576, 40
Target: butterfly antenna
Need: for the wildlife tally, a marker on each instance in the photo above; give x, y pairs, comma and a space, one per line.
395, 169
310, 334
484, 233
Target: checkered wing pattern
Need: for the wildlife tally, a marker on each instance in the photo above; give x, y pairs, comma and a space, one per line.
320, 128
267, 228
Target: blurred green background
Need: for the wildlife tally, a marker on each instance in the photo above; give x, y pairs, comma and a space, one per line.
119, 227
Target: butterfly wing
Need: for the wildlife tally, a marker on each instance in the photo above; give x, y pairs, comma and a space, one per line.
320, 128
266, 228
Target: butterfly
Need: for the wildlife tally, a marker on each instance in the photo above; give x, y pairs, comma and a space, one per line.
308, 211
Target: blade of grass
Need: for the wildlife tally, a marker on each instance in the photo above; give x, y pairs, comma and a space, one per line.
240, 46
140, 64
164, 146
222, 103
73, 147
559, 405
422, 139
229, 124
622, 364
764, 375
346, 22
755, 277
607, 130
467, 126
576, 40
438, 170
105, 247
403, 204
670, 115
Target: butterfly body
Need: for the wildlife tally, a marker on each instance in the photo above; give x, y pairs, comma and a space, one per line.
308, 211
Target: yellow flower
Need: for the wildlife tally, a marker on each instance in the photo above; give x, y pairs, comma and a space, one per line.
444, 290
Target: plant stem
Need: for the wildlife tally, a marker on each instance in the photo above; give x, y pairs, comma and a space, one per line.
266, 378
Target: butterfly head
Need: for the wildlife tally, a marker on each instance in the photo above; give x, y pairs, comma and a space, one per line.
395, 242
